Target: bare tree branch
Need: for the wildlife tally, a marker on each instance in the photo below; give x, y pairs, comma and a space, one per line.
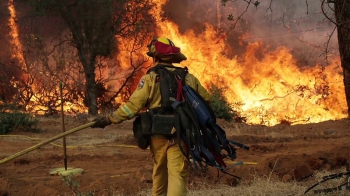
325, 53
300, 31
324, 12
270, 5
230, 17
307, 7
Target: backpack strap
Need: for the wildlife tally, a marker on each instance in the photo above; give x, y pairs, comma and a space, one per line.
171, 82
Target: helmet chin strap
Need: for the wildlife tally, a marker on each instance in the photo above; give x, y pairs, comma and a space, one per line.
154, 60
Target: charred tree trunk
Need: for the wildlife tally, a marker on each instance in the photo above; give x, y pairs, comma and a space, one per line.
90, 82
347, 86
342, 14
92, 35
93, 25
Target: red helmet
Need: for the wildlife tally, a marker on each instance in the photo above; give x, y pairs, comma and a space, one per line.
165, 50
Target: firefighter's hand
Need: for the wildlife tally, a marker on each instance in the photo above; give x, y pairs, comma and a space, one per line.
101, 122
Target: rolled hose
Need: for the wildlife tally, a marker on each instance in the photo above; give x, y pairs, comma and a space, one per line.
46, 142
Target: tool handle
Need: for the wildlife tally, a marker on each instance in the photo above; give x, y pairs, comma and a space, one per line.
46, 142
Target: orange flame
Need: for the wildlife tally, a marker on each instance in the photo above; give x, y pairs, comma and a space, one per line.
15, 42
17, 50
269, 84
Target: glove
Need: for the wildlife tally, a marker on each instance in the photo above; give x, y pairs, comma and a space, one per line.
101, 122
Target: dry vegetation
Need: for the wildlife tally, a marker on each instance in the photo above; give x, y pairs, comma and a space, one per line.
113, 166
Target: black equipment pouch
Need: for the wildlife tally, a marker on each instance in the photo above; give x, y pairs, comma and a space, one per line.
163, 124
142, 128
146, 122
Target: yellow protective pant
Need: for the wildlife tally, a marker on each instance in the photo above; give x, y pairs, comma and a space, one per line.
170, 168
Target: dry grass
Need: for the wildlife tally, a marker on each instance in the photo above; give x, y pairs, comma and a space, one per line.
258, 187
265, 186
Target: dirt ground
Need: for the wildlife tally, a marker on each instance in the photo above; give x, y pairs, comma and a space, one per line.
113, 165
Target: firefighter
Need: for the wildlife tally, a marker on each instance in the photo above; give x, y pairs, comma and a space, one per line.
170, 168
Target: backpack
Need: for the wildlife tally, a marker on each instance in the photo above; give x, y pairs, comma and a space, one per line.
195, 122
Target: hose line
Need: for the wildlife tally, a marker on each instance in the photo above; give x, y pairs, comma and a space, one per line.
46, 142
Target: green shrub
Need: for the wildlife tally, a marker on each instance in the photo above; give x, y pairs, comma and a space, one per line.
221, 107
12, 119
74, 185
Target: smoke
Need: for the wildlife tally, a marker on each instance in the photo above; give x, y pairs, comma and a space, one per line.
298, 25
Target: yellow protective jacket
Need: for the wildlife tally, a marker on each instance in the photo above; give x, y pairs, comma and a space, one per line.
148, 95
